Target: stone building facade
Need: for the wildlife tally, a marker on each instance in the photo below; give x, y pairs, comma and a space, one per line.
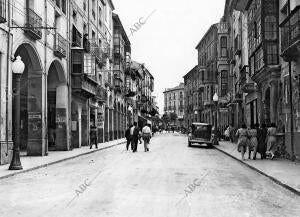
76, 54
174, 102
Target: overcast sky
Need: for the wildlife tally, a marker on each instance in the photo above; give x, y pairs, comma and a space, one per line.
166, 42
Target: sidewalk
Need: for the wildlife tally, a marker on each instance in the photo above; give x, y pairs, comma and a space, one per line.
32, 163
284, 172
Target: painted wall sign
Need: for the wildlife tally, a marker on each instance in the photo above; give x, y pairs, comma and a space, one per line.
34, 125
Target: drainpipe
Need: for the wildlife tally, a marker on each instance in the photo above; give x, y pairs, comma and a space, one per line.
7, 74
45, 82
291, 95
68, 74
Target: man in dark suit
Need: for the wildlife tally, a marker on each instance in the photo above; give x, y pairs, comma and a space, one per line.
128, 138
134, 133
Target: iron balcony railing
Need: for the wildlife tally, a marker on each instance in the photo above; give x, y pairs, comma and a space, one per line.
2, 11
86, 43
60, 46
33, 22
290, 29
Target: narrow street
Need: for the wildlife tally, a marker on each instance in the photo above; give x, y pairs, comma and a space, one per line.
119, 183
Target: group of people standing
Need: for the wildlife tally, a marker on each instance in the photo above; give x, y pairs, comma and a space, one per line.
134, 135
257, 139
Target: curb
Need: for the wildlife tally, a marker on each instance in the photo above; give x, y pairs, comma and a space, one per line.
295, 191
59, 161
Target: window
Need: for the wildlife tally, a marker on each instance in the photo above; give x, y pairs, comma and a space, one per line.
259, 59
84, 5
224, 82
105, 12
272, 54
270, 28
223, 46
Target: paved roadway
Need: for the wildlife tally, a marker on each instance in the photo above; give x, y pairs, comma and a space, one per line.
171, 180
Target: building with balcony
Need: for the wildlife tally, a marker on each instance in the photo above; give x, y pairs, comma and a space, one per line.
140, 87
44, 83
289, 92
209, 63
70, 81
174, 103
193, 100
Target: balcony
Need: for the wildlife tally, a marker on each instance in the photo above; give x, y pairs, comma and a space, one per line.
129, 92
83, 85
98, 54
238, 98
117, 50
109, 81
208, 102
76, 38
33, 24
210, 80
2, 11
86, 43
290, 36
118, 75
60, 46
101, 94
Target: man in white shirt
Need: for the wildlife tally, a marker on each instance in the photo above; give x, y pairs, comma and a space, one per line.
146, 132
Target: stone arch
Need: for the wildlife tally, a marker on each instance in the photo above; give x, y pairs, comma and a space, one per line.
32, 131
57, 107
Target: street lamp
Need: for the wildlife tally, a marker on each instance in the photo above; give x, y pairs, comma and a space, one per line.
17, 68
216, 99
196, 112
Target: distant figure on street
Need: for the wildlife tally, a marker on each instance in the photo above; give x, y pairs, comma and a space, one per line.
227, 134
231, 133
146, 133
93, 136
271, 143
128, 138
242, 135
253, 143
261, 137
134, 133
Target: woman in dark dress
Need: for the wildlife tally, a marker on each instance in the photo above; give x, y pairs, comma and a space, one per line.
262, 145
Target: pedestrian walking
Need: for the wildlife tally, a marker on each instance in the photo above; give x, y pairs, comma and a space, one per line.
242, 135
227, 134
253, 142
231, 133
271, 140
146, 133
134, 133
261, 137
128, 138
93, 137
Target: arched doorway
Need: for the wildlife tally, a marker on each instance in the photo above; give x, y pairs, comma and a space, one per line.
32, 129
57, 107
267, 106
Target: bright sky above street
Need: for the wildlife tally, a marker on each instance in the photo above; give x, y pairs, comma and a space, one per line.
166, 42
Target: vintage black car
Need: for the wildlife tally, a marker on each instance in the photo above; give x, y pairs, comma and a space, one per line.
201, 134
